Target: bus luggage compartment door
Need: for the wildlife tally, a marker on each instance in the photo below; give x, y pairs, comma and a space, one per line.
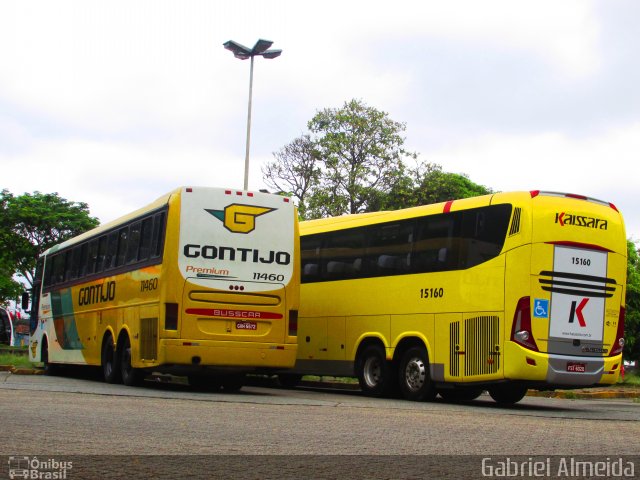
227, 312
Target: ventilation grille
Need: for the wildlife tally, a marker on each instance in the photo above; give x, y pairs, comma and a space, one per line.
576, 284
515, 222
454, 346
148, 338
482, 355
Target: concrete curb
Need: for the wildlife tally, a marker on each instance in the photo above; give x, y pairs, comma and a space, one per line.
21, 370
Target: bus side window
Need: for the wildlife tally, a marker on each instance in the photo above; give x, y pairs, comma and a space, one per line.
84, 252
146, 236
102, 253
92, 257
134, 243
158, 234
436, 246
58, 269
483, 233
75, 263
48, 271
68, 265
123, 234
390, 247
310, 253
35, 296
112, 250
340, 250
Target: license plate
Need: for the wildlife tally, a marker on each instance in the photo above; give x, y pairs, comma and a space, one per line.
576, 367
246, 325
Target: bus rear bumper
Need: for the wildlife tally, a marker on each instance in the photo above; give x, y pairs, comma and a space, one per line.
228, 354
559, 370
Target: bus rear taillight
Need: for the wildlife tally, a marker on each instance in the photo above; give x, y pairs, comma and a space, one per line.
618, 345
521, 332
293, 323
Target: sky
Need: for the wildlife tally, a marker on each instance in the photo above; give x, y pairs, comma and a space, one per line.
116, 103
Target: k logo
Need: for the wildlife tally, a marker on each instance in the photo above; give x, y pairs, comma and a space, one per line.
239, 218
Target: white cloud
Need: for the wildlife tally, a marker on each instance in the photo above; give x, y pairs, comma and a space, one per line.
596, 166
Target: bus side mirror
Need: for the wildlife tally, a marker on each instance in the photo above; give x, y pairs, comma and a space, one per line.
25, 300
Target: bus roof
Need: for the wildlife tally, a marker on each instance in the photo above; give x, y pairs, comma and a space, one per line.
359, 219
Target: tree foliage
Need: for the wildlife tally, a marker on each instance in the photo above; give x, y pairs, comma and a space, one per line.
632, 311
428, 183
362, 152
32, 223
350, 155
295, 171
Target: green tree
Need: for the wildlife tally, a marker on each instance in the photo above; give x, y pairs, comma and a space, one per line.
354, 161
295, 170
32, 223
428, 183
362, 152
632, 311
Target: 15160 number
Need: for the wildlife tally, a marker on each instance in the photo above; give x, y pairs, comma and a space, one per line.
432, 292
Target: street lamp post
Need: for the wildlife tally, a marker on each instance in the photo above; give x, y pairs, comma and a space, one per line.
261, 48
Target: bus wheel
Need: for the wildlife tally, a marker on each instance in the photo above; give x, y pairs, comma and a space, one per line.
49, 368
289, 380
130, 376
205, 383
507, 394
374, 372
110, 361
415, 381
460, 394
233, 383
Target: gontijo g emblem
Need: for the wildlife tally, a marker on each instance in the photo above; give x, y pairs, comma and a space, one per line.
239, 218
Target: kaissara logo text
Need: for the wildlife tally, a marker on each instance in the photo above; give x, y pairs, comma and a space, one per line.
239, 218
580, 221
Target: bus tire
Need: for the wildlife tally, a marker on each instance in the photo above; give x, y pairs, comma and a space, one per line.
289, 380
456, 395
233, 383
507, 394
110, 361
415, 380
130, 376
375, 375
204, 383
49, 368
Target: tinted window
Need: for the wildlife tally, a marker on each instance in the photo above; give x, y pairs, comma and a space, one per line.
343, 254
448, 241
158, 234
133, 242
146, 237
112, 251
123, 235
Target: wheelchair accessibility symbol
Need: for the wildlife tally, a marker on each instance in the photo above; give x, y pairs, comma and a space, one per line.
540, 308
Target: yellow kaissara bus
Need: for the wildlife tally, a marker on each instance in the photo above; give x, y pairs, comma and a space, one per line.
503, 292
204, 282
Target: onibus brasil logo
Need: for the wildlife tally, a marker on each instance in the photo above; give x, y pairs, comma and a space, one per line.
238, 218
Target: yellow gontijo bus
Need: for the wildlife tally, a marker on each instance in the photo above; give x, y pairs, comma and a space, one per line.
203, 282
502, 292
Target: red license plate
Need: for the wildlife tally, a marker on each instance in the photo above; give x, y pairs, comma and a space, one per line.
576, 367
